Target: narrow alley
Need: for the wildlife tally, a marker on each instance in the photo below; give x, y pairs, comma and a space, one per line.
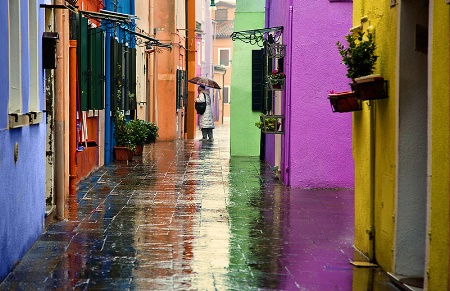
187, 217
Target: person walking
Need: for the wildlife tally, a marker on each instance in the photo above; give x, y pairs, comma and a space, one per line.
206, 120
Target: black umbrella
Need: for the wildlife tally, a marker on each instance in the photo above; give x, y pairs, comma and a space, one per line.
205, 82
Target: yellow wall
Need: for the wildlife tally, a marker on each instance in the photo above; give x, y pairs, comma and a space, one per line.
382, 117
438, 244
377, 121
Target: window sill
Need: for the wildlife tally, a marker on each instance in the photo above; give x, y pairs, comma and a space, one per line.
17, 120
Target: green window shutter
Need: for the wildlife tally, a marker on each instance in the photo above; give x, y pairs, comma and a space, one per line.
116, 75
179, 88
97, 80
113, 74
132, 76
83, 63
257, 80
185, 88
93, 69
127, 79
101, 69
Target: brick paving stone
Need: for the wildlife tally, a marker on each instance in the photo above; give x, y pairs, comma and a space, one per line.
186, 216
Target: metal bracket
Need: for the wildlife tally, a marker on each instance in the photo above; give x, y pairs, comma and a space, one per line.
258, 36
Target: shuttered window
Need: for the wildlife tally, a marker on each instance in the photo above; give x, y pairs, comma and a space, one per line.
257, 80
123, 77
90, 64
181, 88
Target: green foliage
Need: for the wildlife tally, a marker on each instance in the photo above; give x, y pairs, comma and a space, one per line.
269, 124
138, 131
122, 132
152, 132
134, 132
359, 56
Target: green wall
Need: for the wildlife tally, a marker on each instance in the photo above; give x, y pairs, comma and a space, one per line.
244, 135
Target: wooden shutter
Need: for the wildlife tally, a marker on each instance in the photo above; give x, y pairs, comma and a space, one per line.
132, 80
83, 67
257, 80
99, 73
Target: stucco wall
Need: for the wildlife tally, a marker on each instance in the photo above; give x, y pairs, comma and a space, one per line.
244, 135
22, 183
438, 244
374, 140
320, 141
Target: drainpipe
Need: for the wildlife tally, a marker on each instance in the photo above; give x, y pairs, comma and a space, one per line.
149, 57
108, 123
288, 96
59, 117
190, 65
371, 230
155, 86
152, 68
72, 127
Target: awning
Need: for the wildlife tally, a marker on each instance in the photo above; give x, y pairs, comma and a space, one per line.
126, 24
150, 41
109, 15
258, 36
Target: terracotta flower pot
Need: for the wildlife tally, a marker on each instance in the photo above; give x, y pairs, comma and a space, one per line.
139, 150
344, 102
123, 154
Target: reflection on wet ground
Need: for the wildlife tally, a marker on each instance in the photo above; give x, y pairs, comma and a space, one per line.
185, 216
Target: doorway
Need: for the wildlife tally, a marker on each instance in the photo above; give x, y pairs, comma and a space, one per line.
410, 235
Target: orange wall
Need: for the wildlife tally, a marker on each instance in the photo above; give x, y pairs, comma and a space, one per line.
169, 120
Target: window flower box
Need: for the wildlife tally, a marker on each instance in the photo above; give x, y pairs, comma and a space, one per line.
344, 102
276, 80
271, 124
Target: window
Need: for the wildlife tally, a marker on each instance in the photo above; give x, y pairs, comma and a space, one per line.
15, 63
226, 94
224, 57
257, 80
90, 59
33, 102
199, 56
181, 88
221, 14
203, 51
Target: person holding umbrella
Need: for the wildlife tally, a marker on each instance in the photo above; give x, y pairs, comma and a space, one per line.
206, 120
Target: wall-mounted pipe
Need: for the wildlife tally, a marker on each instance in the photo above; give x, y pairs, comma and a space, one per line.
59, 117
72, 128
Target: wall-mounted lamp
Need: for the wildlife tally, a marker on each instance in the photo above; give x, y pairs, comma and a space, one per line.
212, 6
358, 28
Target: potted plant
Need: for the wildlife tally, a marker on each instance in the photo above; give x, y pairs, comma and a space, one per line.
270, 124
138, 134
152, 132
276, 80
125, 146
359, 58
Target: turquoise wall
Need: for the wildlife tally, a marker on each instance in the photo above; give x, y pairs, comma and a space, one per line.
244, 135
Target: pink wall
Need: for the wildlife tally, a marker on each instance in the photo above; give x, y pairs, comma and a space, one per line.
318, 149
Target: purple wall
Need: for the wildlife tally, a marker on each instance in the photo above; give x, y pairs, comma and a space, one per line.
318, 145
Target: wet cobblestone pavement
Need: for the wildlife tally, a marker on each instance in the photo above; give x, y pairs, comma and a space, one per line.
185, 216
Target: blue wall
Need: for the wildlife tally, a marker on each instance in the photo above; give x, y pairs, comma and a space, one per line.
22, 183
